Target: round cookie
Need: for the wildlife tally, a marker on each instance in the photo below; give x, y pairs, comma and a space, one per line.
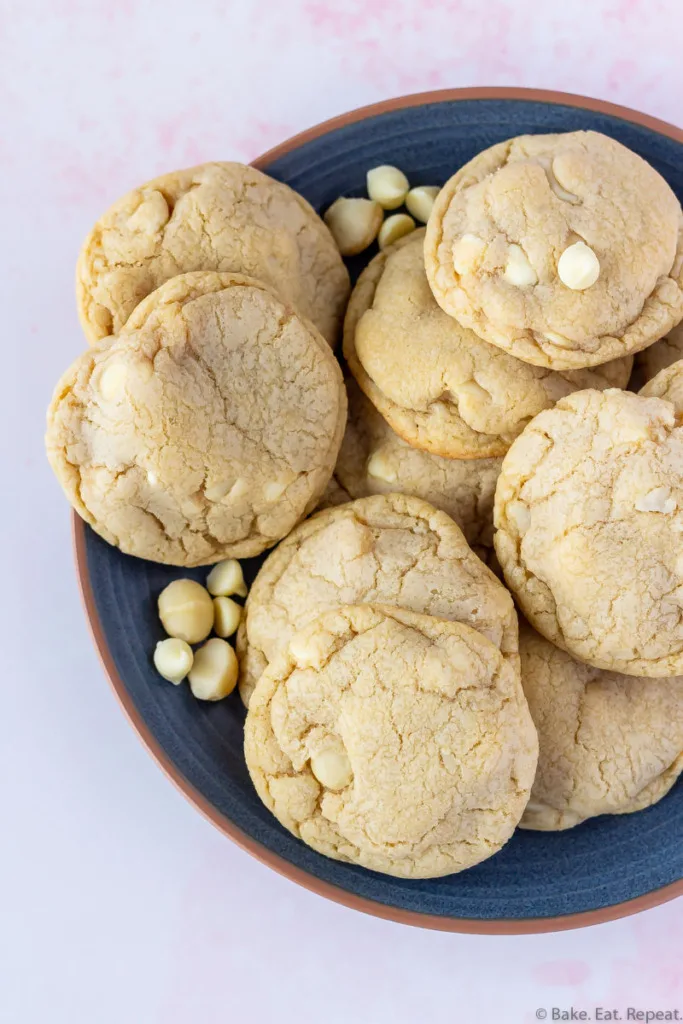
218, 216
499, 259
207, 429
438, 384
392, 740
388, 549
608, 743
589, 519
375, 460
662, 354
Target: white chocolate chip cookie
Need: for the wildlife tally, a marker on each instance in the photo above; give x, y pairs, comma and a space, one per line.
564, 250
391, 549
375, 460
437, 384
207, 429
218, 216
392, 740
608, 743
662, 354
589, 518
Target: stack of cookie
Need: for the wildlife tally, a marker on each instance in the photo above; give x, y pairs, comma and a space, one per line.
401, 715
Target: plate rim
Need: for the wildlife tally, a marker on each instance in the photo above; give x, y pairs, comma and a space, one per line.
471, 926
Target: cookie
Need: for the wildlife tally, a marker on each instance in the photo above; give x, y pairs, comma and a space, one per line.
333, 495
392, 740
388, 549
375, 460
589, 519
207, 429
218, 216
667, 385
662, 354
564, 250
608, 743
437, 384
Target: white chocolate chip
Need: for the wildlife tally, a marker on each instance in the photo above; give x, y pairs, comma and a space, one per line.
173, 659
214, 672
387, 185
151, 214
354, 224
306, 652
467, 253
186, 611
217, 491
332, 769
470, 393
395, 227
152, 478
113, 381
379, 467
519, 514
420, 200
558, 188
518, 271
578, 267
227, 616
657, 500
238, 489
558, 339
274, 489
226, 578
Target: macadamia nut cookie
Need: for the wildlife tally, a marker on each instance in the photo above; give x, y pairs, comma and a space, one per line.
392, 740
437, 384
608, 743
207, 429
662, 354
375, 460
218, 216
589, 518
390, 549
564, 250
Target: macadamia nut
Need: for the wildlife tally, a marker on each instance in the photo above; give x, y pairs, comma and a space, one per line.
226, 578
186, 611
173, 659
214, 672
354, 224
387, 185
227, 616
420, 200
395, 227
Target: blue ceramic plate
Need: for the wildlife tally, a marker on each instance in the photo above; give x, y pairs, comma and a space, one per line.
605, 868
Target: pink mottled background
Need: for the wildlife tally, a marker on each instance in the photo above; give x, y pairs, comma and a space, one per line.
118, 903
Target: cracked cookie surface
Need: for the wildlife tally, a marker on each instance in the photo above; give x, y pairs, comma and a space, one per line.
501, 224
589, 520
218, 216
388, 549
207, 429
392, 740
608, 743
375, 460
437, 384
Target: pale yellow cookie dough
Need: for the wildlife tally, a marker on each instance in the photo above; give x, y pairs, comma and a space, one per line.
207, 429
438, 385
375, 460
218, 216
662, 354
392, 549
608, 743
564, 250
392, 740
589, 519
